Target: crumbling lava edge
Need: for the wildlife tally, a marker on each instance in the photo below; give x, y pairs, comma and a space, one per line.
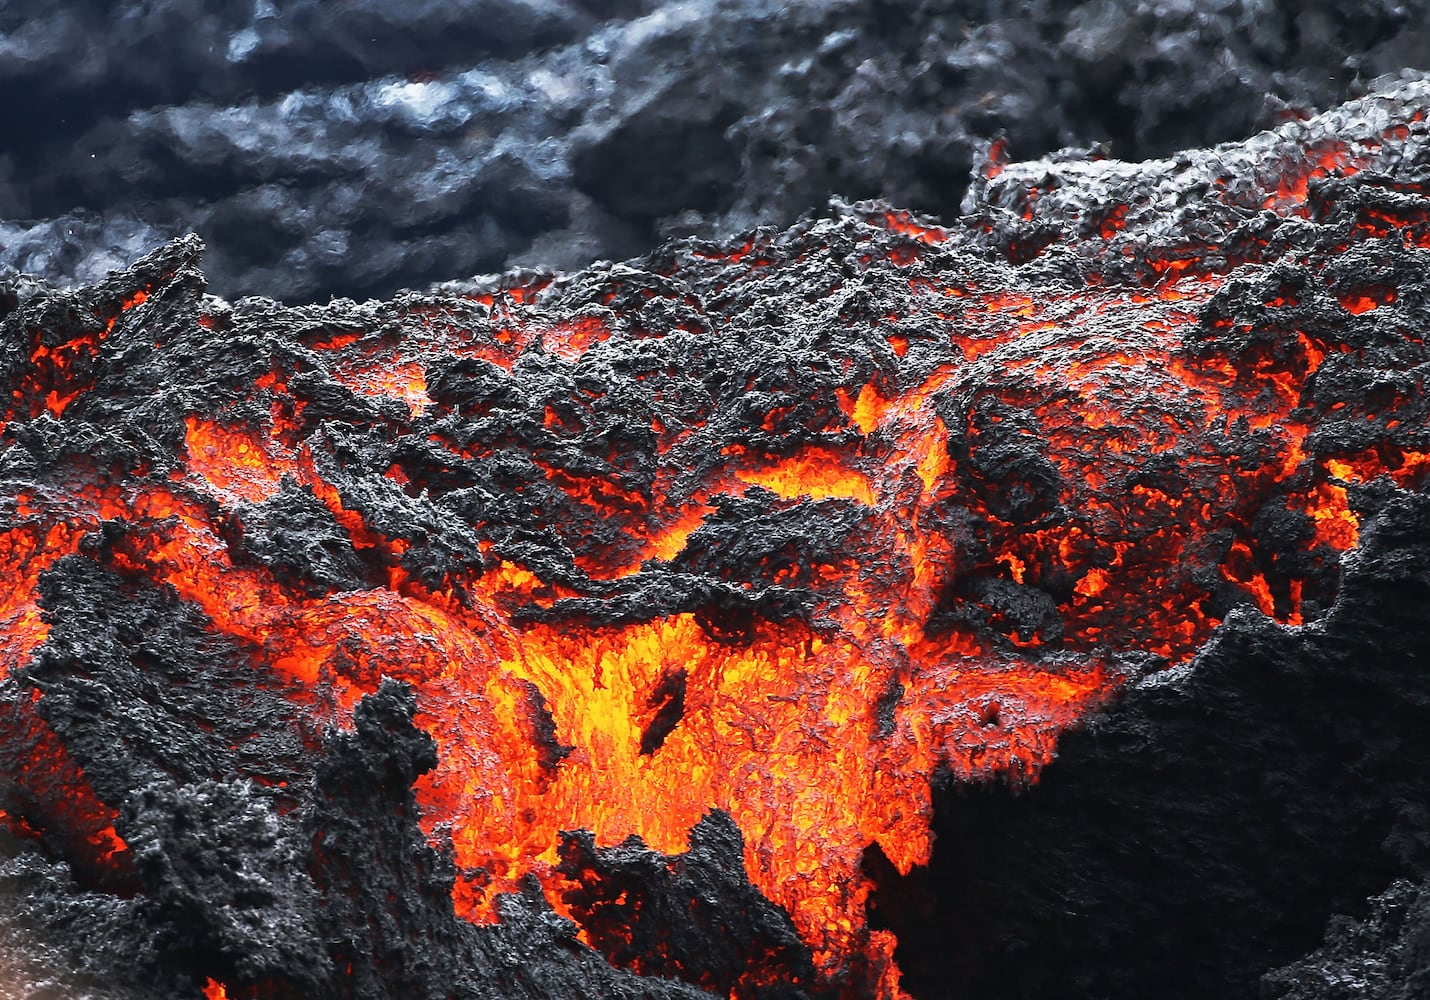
1197, 835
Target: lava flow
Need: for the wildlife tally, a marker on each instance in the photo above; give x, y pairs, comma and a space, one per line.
781, 532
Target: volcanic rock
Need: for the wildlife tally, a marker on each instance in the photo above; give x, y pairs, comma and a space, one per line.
361, 149
1029, 606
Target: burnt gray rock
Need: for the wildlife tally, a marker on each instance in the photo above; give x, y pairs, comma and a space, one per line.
695, 914
295, 535
1189, 839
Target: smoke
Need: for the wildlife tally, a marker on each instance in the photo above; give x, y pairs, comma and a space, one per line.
362, 147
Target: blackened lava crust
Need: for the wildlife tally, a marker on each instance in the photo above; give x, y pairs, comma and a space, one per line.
634, 632
375, 145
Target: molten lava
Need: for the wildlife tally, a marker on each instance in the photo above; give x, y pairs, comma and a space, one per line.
788, 529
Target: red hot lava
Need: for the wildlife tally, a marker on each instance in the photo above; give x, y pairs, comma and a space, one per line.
786, 529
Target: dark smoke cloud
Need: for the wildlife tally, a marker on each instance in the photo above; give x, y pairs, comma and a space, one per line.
358, 147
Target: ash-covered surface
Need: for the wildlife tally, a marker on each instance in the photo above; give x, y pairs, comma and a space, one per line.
359, 148
313, 634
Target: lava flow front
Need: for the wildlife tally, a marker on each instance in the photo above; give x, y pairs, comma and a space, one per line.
772, 534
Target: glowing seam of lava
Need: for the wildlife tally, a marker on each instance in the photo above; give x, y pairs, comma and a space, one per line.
875, 794
597, 720
781, 726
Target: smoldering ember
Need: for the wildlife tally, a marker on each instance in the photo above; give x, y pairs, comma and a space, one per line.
1027, 605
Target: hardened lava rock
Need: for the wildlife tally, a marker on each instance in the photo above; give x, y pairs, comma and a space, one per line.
1028, 607
366, 147
1385, 953
1199, 835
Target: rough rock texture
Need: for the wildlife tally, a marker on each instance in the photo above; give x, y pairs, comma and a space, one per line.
360, 148
1159, 431
60, 940
662, 916
1195, 836
1385, 955
301, 869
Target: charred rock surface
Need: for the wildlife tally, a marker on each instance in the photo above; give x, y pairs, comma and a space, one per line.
346, 647
672, 916
59, 939
301, 870
1385, 954
1193, 837
373, 146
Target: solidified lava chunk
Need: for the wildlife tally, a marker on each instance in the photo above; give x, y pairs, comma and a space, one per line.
365, 147
624, 632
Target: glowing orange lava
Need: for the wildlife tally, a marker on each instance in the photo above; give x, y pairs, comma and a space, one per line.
1010, 537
